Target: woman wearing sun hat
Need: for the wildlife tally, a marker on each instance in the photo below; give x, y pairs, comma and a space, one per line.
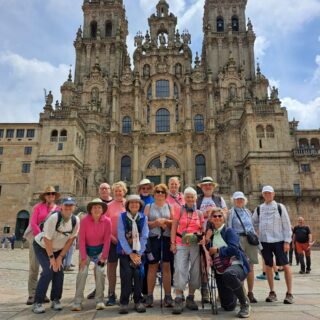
40, 212
94, 244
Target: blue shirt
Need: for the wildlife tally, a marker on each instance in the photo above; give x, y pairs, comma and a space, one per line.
147, 200
234, 222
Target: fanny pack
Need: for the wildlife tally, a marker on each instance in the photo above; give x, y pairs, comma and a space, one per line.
93, 251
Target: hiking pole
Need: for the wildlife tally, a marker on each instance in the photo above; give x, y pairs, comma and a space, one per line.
161, 266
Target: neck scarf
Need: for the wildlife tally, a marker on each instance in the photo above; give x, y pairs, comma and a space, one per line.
135, 232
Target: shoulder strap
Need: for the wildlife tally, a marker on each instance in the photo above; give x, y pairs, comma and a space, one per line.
217, 200
73, 222
175, 201
240, 220
59, 221
258, 211
279, 209
199, 201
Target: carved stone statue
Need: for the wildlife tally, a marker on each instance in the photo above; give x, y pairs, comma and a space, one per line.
49, 99
146, 71
274, 93
95, 95
232, 92
162, 39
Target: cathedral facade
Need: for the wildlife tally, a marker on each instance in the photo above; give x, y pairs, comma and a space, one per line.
165, 112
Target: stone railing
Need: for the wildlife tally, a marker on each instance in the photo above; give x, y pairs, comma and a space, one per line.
263, 108
306, 152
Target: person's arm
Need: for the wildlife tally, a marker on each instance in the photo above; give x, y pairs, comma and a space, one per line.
174, 228
230, 218
122, 238
233, 244
144, 237
255, 221
224, 207
82, 240
169, 221
34, 220
106, 240
286, 227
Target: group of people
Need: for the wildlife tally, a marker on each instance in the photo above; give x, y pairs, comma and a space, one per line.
186, 237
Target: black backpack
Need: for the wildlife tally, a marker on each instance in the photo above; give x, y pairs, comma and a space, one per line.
279, 210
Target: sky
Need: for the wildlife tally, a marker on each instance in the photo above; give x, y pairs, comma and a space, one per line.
36, 49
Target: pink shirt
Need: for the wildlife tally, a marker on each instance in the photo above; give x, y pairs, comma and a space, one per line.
189, 224
173, 201
40, 213
114, 209
94, 234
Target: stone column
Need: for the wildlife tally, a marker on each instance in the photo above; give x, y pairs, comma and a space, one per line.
188, 104
135, 171
189, 159
112, 159
213, 156
88, 58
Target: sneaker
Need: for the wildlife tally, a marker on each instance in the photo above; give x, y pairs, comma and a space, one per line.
91, 295
308, 271
302, 272
38, 308
149, 301
30, 301
205, 295
76, 307
168, 301
139, 307
288, 299
100, 306
123, 309
272, 297
56, 305
178, 306
190, 304
111, 300
277, 276
68, 269
261, 276
244, 311
251, 298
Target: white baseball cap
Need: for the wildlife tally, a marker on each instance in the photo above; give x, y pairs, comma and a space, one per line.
238, 195
267, 189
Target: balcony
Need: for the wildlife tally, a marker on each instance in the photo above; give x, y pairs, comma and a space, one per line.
263, 109
306, 152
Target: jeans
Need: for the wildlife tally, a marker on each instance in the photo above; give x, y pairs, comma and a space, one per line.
230, 287
47, 275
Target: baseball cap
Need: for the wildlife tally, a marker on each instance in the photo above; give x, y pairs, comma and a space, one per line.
267, 189
238, 195
68, 201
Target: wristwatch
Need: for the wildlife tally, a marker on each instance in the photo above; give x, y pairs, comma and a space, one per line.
51, 256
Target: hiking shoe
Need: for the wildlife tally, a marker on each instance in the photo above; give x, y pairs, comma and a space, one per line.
30, 301
288, 299
277, 276
38, 308
168, 301
308, 271
272, 297
244, 311
123, 309
261, 277
204, 295
56, 305
139, 307
178, 306
302, 272
149, 301
111, 300
190, 304
91, 295
251, 298
76, 307
100, 306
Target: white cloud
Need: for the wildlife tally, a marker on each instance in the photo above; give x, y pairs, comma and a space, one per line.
22, 95
316, 75
261, 45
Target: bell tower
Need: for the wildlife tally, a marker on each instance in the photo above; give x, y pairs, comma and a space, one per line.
226, 34
102, 39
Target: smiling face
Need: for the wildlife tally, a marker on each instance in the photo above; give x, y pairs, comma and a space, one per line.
268, 196
239, 203
145, 189
217, 218
174, 186
104, 191
67, 210
118, 193
134, 206
50, 197
207, 189
96, 212
190, 199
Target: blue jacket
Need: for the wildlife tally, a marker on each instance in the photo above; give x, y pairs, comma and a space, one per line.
147, 200
231, 238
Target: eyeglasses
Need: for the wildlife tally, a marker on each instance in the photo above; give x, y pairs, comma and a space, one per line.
160, 192
105, 188
50, 193
217, 216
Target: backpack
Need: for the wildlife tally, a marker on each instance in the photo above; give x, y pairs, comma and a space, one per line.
216, 199
279, 210
66, 233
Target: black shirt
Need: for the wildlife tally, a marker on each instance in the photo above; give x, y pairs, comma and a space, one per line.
301, 233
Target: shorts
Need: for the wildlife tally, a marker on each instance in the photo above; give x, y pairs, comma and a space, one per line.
250, 250
276, 249
155, 248
113, 255
303, 247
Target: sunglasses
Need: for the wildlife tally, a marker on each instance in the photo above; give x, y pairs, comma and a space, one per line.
50, 193
160, 192
145, 188
217, 216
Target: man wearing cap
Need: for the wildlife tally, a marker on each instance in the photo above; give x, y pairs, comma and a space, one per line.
271, 220
205, 203
40, 213
51, 246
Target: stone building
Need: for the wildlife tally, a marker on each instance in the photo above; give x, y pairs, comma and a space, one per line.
170, 112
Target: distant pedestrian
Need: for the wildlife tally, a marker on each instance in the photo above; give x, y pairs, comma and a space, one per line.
12, 240
3, 242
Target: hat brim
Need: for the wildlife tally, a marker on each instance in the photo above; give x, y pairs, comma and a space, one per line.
146, 184
202, 183
131, 200
42, 196
102, 204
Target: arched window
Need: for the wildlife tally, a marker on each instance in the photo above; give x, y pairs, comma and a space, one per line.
220, 24
155, 163
162, 89
303, 143
235, 23
163, 120
54, 135
198, 123
177, 113
148, 114
169, 163
93, 29
63, 135
315, 143
126, 168
270, 131
260, 131
126, 125
149, 92
175, 91
200, 166
108, 29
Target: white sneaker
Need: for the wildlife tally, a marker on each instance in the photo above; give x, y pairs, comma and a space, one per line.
38, 308
76, 307
100, 306
56, 305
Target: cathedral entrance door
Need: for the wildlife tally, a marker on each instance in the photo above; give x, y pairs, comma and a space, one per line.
21, 223
155, 179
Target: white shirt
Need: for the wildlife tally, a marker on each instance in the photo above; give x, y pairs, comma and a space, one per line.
59, 239
207, 202
272, 227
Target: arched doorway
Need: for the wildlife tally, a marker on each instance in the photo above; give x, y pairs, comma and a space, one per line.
161, 168
21, 223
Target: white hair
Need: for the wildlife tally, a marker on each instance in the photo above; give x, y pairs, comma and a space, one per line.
190, 190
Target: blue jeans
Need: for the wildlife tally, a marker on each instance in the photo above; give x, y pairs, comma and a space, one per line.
47, 275
68, 258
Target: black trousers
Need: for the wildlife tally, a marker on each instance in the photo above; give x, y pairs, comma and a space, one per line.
130, 280
230, 287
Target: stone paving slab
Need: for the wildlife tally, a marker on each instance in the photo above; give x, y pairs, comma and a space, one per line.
13, 294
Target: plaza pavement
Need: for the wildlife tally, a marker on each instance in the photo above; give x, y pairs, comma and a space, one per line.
13, 295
